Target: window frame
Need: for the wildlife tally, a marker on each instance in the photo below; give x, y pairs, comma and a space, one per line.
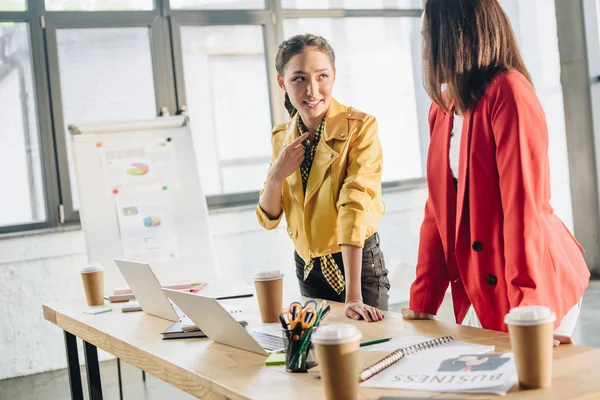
272, 19
44, 119
164, 26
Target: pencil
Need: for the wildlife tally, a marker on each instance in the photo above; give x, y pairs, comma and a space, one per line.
374, 342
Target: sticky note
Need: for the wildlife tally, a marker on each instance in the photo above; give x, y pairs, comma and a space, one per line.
97, 310
276, 359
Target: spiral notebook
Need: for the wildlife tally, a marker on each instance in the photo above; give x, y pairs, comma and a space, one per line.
399, 354
376, 358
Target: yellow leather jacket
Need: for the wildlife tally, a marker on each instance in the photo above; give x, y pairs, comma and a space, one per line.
343, 203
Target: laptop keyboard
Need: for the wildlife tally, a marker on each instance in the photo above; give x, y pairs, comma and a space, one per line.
269, 342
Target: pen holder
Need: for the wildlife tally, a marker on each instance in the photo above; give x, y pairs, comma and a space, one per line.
299, 355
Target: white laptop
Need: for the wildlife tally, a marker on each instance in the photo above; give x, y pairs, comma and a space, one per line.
220, 326
146, 289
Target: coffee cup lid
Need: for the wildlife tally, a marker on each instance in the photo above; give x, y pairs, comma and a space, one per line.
529, 316
93, 267
268, 275
335, 334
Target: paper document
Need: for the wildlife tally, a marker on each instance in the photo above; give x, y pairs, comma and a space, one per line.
147, 164
146, 225
466, 373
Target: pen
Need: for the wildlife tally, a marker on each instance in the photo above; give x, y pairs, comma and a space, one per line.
284, 325
374, 342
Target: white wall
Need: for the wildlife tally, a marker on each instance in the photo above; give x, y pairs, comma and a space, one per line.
39, 269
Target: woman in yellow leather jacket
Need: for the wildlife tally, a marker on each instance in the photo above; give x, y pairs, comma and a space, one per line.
326, 178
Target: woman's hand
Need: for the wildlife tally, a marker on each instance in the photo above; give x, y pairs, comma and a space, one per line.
407, 313
288, 161
356, 309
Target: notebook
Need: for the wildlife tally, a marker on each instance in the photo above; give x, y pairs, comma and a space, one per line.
131, 306
119, 298
175, 331
376, 358
399, 354
187, 329
124, 294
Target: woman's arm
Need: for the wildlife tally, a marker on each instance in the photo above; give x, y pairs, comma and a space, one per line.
269, 208
521, 137
357, 214
270, 198
428, 290
355, 308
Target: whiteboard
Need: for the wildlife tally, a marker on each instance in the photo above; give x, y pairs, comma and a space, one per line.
193, 259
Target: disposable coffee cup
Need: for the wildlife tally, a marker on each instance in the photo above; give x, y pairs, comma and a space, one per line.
531, 332
93, 284
269, 290
336, 347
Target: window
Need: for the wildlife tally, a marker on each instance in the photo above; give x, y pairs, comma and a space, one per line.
12, 5
106, 76
598, 16
351, 4
218, 4
228, 101
378, 62
534, 23
20, 157
98, 5
84, 62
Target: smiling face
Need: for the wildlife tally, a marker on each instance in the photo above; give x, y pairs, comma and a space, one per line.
308, 79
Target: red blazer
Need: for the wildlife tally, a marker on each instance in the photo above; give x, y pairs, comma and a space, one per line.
496, 238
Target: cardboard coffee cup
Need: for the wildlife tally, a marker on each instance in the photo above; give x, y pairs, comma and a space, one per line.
93, 284
337, 347
269, 290
531, 332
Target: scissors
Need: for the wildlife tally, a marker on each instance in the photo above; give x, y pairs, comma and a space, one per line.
301, 318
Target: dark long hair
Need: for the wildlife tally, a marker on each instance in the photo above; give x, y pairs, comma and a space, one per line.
296, 45
466, 43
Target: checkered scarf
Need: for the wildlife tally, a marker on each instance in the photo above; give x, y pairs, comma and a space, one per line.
331, 271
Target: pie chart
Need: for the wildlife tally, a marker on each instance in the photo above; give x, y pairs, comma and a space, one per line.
138, 169
151, 221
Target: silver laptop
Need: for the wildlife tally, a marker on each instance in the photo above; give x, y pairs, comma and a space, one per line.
146, 289
220, 326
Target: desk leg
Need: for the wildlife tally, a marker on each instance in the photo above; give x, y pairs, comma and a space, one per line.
73, 367
93, 371
120, 381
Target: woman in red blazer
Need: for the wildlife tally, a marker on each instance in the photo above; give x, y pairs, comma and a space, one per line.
489, 230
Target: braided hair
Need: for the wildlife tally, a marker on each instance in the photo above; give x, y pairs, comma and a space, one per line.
296, 45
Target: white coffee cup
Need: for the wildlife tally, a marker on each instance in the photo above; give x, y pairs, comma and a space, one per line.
531, 332
269, 290
337, 347
93, 283
93, 267
268, 275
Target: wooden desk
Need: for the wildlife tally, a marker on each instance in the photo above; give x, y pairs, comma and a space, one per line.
212, 371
